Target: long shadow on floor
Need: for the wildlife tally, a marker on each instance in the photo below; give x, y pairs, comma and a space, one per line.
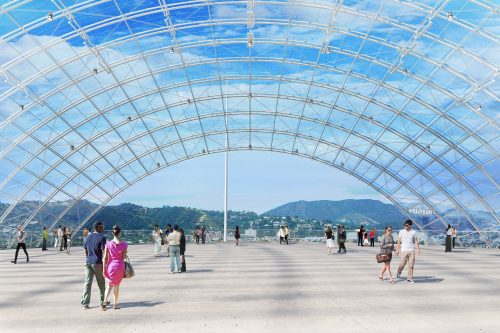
427, 279
201, 270
147, 304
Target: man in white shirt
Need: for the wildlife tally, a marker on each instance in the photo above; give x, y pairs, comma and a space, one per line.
407, 241
174, 239
60, 235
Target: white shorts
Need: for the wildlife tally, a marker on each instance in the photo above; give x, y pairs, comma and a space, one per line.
329, 242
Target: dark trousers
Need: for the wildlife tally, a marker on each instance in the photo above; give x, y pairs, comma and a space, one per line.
453, 243
44, 245
360, 240
341, 246
23, 246
372, 241
286, 239
448, 244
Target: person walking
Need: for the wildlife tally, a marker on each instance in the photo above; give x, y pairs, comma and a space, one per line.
45, 237
203, 234
449, 234
453, 235
156, 237
287, 234
54, 235
182, 249
341, 238
282, 234
68, 240
372, 237
65, 238
60, 234
197, 234
94, 247
386, 247
407, 242
174, 239
328, 238
115, 253
361, 232
21, 239
237, 235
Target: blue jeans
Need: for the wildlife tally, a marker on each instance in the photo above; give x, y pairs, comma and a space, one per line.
175, 254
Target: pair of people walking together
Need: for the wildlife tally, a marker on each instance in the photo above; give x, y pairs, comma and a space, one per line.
105, 260
406, 245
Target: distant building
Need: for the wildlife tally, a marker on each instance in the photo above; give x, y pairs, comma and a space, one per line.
251, 232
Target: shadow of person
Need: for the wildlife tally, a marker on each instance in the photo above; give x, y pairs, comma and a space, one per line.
427, 279
139, 304
201, 270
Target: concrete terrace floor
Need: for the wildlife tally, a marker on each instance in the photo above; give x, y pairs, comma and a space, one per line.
257, 287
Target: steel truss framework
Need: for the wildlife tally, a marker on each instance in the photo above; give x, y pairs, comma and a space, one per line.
402, 95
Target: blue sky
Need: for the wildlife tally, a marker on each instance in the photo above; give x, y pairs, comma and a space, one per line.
408, 94
259, 181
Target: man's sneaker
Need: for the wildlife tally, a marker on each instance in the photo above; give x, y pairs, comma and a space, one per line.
86, 307
398, 276
12, 261
410, 281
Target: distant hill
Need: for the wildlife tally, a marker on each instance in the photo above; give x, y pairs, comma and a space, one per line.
365, 211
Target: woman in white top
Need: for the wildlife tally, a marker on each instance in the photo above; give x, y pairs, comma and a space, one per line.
156, 237
328, 237
282, 234
448, 233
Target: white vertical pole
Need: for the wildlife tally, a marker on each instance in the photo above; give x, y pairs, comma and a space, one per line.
225, 172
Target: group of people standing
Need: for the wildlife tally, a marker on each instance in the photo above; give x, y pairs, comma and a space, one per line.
199, 233
363, 237
284, 234
175, 240
62, 238
451, 236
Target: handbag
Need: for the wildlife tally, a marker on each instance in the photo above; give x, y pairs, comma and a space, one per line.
129, 270
162, 241
383, 257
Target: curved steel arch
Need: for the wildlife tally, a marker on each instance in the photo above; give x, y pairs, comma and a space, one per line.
327, 86
438, 187
291, 134
295, 134
291, 97
276, 42
480, 138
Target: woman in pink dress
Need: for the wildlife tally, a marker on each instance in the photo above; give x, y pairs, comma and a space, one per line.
114, 266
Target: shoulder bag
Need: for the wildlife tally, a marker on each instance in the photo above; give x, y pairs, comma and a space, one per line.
129, 270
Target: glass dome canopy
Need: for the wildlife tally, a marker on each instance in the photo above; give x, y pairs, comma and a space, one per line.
403, 95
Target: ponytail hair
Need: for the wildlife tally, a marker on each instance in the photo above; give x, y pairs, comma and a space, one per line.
116, 231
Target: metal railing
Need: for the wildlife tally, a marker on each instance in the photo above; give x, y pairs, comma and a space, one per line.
464, 239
